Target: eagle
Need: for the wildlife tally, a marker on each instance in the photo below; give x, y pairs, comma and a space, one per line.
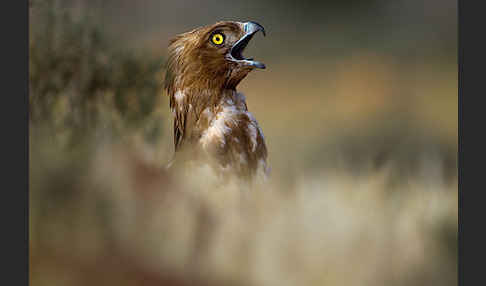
212, 124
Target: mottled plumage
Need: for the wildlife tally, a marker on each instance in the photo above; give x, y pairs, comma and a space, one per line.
212, 123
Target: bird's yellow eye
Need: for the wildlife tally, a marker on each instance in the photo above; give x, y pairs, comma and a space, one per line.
217, 39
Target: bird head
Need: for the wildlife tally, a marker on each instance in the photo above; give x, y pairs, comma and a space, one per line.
211, 57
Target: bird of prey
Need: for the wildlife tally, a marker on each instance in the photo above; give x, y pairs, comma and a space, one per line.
212, 123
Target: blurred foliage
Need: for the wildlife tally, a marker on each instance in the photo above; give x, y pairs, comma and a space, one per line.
396, 144
80, 81
104, 216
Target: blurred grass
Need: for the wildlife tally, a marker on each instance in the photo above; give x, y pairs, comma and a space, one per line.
106, 216
363, 155
80, 81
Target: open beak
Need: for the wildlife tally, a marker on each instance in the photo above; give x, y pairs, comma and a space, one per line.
250, 28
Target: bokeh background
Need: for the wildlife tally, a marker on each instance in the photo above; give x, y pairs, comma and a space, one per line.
358, 105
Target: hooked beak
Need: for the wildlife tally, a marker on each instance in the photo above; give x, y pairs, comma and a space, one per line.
250, 29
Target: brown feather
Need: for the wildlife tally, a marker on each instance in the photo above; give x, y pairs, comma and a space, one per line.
211, 119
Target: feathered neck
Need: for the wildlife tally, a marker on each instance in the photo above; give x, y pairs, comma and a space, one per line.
194, 109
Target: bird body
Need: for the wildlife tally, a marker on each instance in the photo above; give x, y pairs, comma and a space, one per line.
212, 123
